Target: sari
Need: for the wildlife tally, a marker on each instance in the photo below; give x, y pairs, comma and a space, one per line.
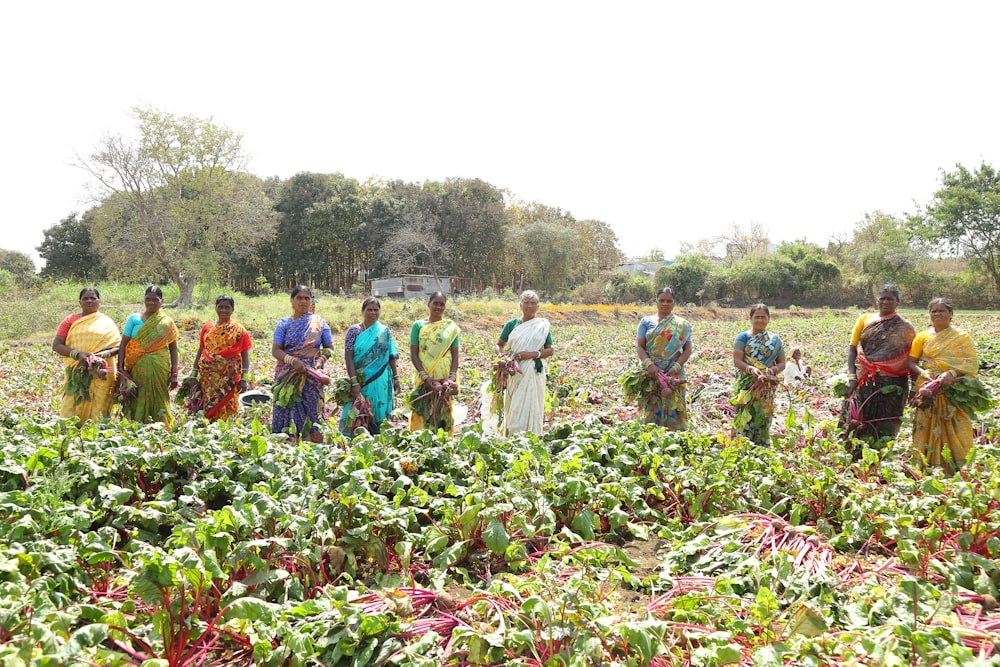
754, 400
92, 333
147, 360
435, 340
303, 338
663, 344
220, 367
883, 373
523, 408
942, 432
373, 348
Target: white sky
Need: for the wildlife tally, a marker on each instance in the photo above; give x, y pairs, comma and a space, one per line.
671, 121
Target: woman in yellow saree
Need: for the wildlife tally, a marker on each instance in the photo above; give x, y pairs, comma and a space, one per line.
942, 432
89, 341
432, 341
148, 359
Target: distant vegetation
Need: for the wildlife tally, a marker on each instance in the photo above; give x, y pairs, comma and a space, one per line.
177, 206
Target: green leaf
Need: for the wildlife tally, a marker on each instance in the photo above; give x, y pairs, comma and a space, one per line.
496, 537
808, 622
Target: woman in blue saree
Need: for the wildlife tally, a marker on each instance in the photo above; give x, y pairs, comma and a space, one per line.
370, 356
759, 356
298, 344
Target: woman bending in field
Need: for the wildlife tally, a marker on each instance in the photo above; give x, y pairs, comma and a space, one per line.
663, 344
759, 356
942, 431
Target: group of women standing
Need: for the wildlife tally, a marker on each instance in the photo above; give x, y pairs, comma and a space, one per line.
884, 353
138, 367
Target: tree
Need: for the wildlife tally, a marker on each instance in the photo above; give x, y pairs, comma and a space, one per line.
472, 222
655, 254
885, 248
816, 275
598, 247
760, 278
177, 199
965, 214
69, 252
19, 265
415, 245
742, 243
687, 276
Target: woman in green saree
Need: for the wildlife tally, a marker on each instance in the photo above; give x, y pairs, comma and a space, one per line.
148, 361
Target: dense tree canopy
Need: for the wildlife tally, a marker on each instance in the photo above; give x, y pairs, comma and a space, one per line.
17, 268
176, 198
69, 252
176, 203
965, 216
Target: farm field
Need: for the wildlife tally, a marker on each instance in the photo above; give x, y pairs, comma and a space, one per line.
602, 542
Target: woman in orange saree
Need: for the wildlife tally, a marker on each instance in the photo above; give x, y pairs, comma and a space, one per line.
148, 358
222, 361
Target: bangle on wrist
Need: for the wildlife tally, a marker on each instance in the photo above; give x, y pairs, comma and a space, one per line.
852, 376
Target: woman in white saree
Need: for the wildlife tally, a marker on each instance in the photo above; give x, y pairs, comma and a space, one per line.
515, 401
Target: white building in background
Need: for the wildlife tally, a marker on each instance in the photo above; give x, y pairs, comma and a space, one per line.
636, 267
413, 286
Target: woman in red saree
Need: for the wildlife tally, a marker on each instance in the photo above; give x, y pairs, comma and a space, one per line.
878, 367
222, 361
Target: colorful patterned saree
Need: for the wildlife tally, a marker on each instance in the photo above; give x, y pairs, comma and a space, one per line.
942, 432
92, 333
147, 360
755, 405
303, 339
883, 365
220, 367
372, 349
663, 344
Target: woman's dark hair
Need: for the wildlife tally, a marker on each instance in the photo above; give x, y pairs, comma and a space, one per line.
370, 300
89, 289
154, 289
301, 288
666, 290
759, 306
226, 297
891, 289
436, 295
944, 302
